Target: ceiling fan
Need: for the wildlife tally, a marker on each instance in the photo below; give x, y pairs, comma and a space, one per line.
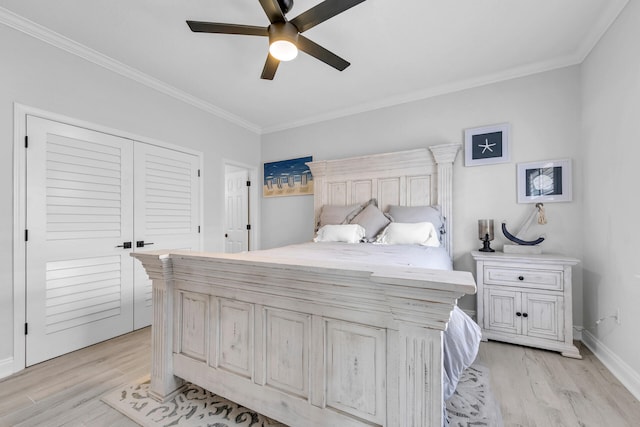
285, 36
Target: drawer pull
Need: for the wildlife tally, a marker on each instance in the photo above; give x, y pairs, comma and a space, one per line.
520, 277
525, 315
518, 314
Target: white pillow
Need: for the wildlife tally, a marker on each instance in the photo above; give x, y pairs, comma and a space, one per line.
402, 233
349, 233
418, 214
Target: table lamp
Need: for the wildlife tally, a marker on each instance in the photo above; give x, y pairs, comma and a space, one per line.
485, 233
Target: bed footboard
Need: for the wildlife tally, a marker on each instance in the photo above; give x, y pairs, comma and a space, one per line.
308, 345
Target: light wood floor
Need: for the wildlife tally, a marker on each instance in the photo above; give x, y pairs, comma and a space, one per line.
542, 388
534, 387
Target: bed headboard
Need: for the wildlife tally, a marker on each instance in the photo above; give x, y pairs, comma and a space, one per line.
406, 178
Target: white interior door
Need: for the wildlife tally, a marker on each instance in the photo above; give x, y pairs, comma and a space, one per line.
79, 278
167, 211
236, 210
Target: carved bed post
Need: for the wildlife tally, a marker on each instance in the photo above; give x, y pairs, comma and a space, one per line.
418, 352
159, 268
420, 376
445, 155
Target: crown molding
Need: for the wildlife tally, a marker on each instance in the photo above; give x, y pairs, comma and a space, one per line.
432, 92
46, 35
606, 19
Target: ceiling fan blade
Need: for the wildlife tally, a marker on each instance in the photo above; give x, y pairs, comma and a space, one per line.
317, 51
321, 12
273, 11
214, 27
270, 67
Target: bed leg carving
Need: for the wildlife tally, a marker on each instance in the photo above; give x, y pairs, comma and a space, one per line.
164, 385
420, 385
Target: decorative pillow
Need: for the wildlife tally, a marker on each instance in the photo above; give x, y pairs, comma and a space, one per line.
335, 214
372, 220
407, 214
401, 233
349, 233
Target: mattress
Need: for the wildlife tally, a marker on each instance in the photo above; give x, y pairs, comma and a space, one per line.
360, 255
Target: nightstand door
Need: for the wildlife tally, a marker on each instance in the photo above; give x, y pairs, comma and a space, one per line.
543, 316
501, 308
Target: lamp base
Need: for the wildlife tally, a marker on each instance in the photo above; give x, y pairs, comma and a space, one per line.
485, 246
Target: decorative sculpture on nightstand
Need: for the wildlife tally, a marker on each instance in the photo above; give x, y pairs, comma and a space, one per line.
518, 237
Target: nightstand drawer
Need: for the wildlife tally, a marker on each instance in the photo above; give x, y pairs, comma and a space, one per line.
522, 277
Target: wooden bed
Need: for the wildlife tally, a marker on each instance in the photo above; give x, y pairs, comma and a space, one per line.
312, 343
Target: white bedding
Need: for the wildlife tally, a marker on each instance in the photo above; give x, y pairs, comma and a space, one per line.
361, 254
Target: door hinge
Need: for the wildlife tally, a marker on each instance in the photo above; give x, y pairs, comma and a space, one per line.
26, 141
248, 183
198, 172
248, 226
26, 329
26, 235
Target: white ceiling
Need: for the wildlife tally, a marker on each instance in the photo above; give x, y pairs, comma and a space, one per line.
399, 50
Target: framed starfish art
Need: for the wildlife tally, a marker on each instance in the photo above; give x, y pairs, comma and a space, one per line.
487, 145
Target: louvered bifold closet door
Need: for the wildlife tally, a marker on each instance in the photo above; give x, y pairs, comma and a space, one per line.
79, 212
167, 211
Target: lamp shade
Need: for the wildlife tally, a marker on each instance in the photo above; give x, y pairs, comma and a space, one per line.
485, 228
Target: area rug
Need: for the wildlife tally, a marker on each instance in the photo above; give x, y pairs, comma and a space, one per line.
473, 404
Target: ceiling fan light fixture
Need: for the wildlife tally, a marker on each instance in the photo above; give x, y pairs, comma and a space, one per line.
283, 37
283, 50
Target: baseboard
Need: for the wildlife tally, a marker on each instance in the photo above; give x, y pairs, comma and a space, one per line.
618, 367
6, 367
577, 333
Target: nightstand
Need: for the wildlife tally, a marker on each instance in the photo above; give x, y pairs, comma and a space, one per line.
526, 300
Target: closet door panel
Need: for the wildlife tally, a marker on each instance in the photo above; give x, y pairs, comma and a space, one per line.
79, 208
167, 211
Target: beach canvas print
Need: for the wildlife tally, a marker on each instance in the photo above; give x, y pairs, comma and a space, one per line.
287, 178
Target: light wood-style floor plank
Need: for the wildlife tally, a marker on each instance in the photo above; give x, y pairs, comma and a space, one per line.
66, 391
535, 388
542, 388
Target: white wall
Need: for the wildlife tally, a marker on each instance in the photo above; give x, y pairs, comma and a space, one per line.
611, 234
38, 75
544, 112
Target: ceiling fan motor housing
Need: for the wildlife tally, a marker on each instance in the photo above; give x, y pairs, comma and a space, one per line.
283, 31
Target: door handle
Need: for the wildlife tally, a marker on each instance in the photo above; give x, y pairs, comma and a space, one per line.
125, 245
142, 244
